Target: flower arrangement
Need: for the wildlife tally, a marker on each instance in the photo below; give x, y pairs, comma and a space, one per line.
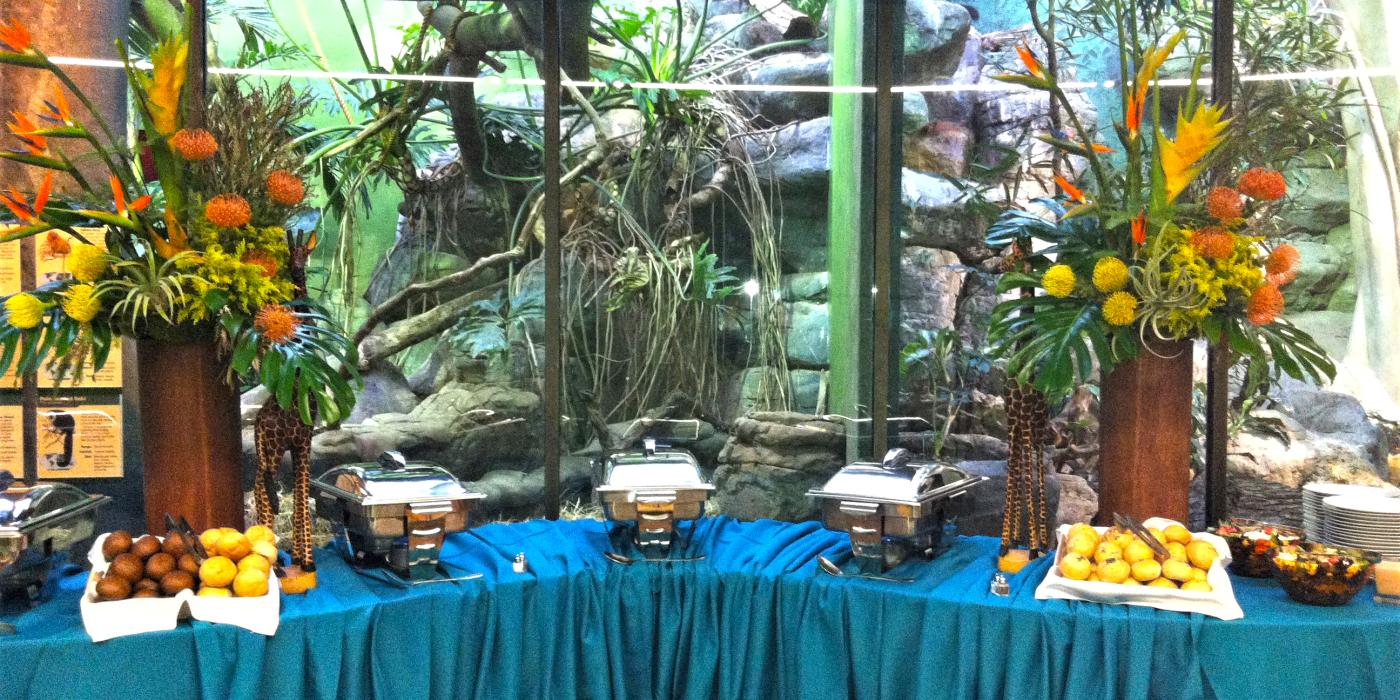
1140, 254
203, 250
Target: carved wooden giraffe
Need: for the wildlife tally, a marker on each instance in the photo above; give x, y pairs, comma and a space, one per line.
277, 431
1024, 522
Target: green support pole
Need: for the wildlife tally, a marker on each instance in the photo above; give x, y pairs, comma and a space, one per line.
847, 240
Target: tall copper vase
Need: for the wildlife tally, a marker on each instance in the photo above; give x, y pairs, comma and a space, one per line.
1145, 435
190, 435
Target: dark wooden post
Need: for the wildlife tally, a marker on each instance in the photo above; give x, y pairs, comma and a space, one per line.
1218, 356
553, 264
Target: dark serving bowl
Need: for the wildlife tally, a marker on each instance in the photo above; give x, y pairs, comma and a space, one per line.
1321, 575
1252, 545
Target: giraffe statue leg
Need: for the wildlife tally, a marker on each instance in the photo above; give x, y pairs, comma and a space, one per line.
301, 576
268, 457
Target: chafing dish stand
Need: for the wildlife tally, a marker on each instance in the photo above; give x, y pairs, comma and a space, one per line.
392, 516
42, 526
893, 509
646, 494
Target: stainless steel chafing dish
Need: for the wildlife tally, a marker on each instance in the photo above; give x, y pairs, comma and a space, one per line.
394, 513
649, 491
893, 508
42, 525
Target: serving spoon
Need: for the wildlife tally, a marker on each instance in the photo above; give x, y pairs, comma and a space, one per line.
625, 560
830, 567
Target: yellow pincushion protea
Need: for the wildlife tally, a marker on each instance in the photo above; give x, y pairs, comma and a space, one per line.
81, 303
1120, 309
1110, 275
87, 262
24, 310
1058, 281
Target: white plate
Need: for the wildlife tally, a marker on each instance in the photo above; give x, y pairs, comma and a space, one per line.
1363, 544
1364, 505
1375, 542
1327, 489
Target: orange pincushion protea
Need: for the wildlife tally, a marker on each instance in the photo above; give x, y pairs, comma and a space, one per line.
276, 323
1263, 184
262, 259
194, 144
1213, 242
1224, 203
228, 211
1282, 265
285, 188
1265, 305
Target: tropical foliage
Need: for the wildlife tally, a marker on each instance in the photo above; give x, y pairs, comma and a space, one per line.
1144, 249
193, 239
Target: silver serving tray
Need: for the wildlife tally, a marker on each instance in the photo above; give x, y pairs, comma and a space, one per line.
893, 508
631, 484
394, 513
42, 525
651, 490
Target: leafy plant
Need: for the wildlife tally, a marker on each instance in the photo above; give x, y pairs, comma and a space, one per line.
938, 358
312, 373
484, 331
1288, 121
710, 282
148, 287
1129, 260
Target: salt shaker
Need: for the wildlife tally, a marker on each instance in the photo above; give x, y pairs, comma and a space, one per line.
1000, 587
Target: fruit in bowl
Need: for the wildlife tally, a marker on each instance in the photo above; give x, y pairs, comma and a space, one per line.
1252, 545
1321, 575
1118, 556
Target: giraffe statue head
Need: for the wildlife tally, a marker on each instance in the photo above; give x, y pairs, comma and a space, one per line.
299, 247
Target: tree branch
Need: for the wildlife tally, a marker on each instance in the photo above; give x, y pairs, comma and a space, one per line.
414, 330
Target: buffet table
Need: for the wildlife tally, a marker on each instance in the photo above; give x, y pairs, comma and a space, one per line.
755, 619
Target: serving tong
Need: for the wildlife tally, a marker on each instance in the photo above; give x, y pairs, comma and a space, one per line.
1133, 525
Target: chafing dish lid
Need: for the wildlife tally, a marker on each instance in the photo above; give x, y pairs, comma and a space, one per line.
652, 467
394, 480
898, 479
22, 505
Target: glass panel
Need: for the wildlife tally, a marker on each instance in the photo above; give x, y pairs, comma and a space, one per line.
1318, 97
716, 245
972, 148
428, 191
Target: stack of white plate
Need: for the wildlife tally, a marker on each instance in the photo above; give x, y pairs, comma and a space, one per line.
1366, 522
1314, 493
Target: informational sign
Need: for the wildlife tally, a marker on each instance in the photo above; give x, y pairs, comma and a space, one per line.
77, 424
51, 252
9, 266
79, 441
12, 438
109, 377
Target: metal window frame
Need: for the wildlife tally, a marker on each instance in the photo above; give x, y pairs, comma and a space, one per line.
888, 29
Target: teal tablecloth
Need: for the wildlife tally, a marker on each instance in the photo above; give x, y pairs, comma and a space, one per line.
753, 620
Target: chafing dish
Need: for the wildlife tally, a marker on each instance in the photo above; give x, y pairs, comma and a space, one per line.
894, 508
393, 513
42, 525
649, 491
